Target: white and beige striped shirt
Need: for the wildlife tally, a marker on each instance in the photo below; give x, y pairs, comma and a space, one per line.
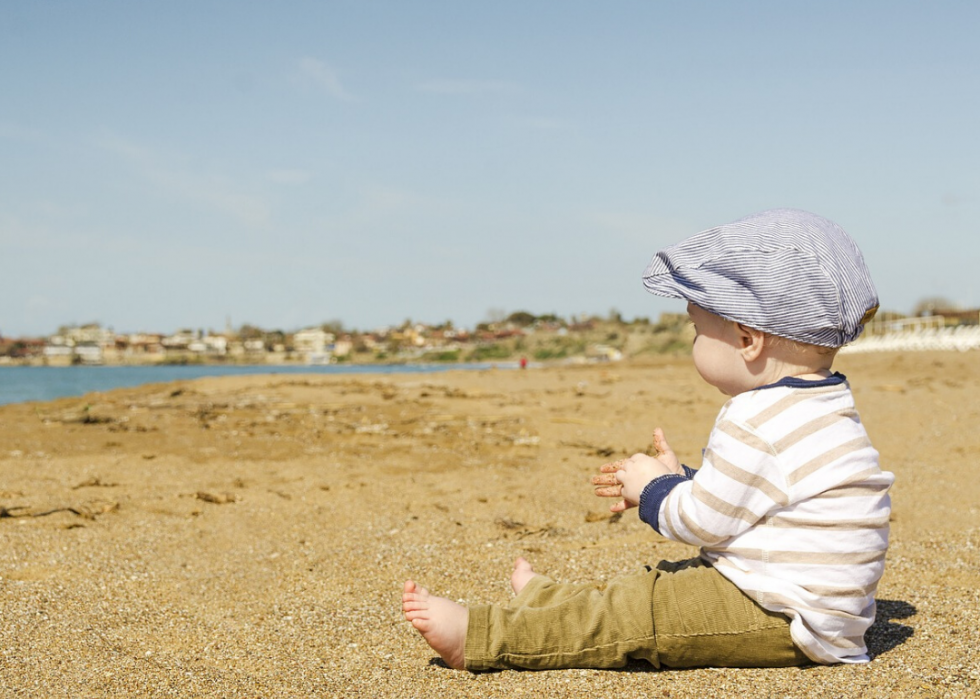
791, 506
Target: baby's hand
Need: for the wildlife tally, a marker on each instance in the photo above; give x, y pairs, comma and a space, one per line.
628, 477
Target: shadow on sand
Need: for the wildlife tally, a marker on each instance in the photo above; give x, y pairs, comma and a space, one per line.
885, 634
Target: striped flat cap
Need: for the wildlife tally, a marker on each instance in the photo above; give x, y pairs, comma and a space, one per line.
784, 271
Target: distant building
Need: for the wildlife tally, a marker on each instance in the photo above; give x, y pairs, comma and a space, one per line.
90, 353
213, 345
311, 340
58, 354
343, 346
144, 343
90, 334
180, 340
85, 344
313, 344
216, 344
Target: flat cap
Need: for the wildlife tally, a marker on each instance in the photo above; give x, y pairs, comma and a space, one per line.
784, 271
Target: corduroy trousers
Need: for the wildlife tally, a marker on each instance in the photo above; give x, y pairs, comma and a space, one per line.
678, 615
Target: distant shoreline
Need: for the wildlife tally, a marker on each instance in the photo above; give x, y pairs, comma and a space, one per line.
205, 361
25, 384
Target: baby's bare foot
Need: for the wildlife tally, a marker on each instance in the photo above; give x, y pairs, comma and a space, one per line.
441, 622
521, 576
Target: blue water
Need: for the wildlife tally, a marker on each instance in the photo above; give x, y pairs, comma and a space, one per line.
19, 384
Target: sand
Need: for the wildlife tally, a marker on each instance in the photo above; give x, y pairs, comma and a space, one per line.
249, 536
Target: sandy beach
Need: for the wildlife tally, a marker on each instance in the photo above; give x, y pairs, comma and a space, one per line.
249, 536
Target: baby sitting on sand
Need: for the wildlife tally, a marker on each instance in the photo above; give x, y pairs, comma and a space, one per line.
789, 507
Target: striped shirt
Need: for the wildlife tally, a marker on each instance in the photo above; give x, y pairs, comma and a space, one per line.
791, 506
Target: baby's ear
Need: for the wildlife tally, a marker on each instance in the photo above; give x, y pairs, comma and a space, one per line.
751, 341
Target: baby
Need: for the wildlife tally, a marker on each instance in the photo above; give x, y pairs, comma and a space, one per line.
789, 508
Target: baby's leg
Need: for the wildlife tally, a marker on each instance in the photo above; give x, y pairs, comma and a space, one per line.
551, 625
547, 626
441, 622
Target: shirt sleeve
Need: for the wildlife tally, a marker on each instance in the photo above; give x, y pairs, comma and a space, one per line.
656, 490
738, 484
653, 496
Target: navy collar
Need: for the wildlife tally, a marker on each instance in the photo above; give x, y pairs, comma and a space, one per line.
835, 379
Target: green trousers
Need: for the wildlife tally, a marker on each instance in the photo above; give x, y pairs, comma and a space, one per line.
683, 614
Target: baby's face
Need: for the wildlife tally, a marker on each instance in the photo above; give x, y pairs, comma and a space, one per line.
716, 351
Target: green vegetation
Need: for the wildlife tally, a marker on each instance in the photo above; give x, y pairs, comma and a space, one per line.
545, 353
521, 319
445, 356
489, 352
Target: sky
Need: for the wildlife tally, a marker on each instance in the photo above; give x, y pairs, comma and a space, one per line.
189, 164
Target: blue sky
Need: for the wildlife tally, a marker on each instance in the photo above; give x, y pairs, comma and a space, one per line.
178, 164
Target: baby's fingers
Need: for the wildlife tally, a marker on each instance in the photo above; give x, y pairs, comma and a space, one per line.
613, 467
666, 455
605, 479
611, 491
621, 506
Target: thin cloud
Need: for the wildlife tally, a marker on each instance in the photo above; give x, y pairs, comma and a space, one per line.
469, 88
324, 77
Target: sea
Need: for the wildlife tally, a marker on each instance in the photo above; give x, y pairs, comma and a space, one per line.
20, 384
